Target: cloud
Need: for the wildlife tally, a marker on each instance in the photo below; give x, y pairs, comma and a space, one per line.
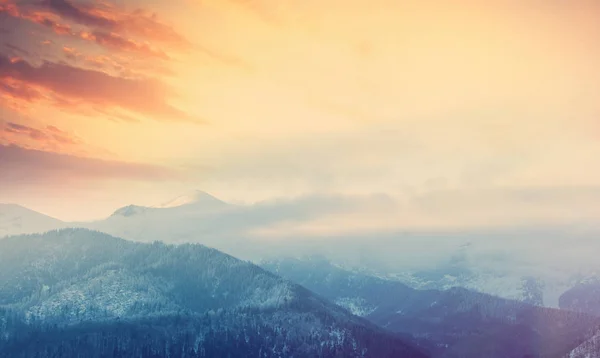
143, 96
18, 91
107, 17
239, 228
108, 28
147, 26
21, 166
495, 206
17, 49
109, 64
32, 133
39, 17
62, 136
48, 137
116, 41
70, 52
82, 16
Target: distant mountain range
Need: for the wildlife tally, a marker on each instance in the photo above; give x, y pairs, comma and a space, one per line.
375, 283
198, 217
76, 292
457, 322
493, 262
197, 202
15, 220
196, 198
99, 294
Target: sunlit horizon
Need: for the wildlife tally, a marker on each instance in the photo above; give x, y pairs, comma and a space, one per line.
134, 102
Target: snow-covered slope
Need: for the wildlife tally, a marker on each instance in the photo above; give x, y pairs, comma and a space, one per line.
196, 202
193, 218
16, 220
588, 349
199, 199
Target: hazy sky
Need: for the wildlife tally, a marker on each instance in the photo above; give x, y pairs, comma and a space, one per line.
474, 108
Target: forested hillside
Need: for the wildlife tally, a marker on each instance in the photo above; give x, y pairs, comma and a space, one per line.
457, 322
83, 293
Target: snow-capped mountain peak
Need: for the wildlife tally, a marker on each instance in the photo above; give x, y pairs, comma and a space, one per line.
129, 210
16, 219
195, 202
196, 197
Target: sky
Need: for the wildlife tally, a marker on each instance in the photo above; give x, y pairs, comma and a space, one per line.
465, 113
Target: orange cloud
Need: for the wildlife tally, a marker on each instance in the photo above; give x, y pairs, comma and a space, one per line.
62, 136
48, 138
45, 138
39, 17
105, 31
143, 24
101, 62
81, 15
30, 132
17, 90
116, 41
70, 52
17, 95
144, 96
110, 64
105, 16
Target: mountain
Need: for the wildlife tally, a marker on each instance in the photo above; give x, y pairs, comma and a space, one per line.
590, 348
196, 217
583, 297
502, 262
458, 322
16, 220
195, 198
76, 292
535, 290
196, 202
494, 272
245, 231
459, 270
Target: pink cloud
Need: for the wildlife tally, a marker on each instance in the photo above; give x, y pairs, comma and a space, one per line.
21, 165
74, 84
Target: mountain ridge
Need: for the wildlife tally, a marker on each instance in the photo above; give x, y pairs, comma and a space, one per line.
458, 322
86, 281
191, 198
16, 219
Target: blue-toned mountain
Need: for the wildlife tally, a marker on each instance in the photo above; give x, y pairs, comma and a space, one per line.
76, 292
